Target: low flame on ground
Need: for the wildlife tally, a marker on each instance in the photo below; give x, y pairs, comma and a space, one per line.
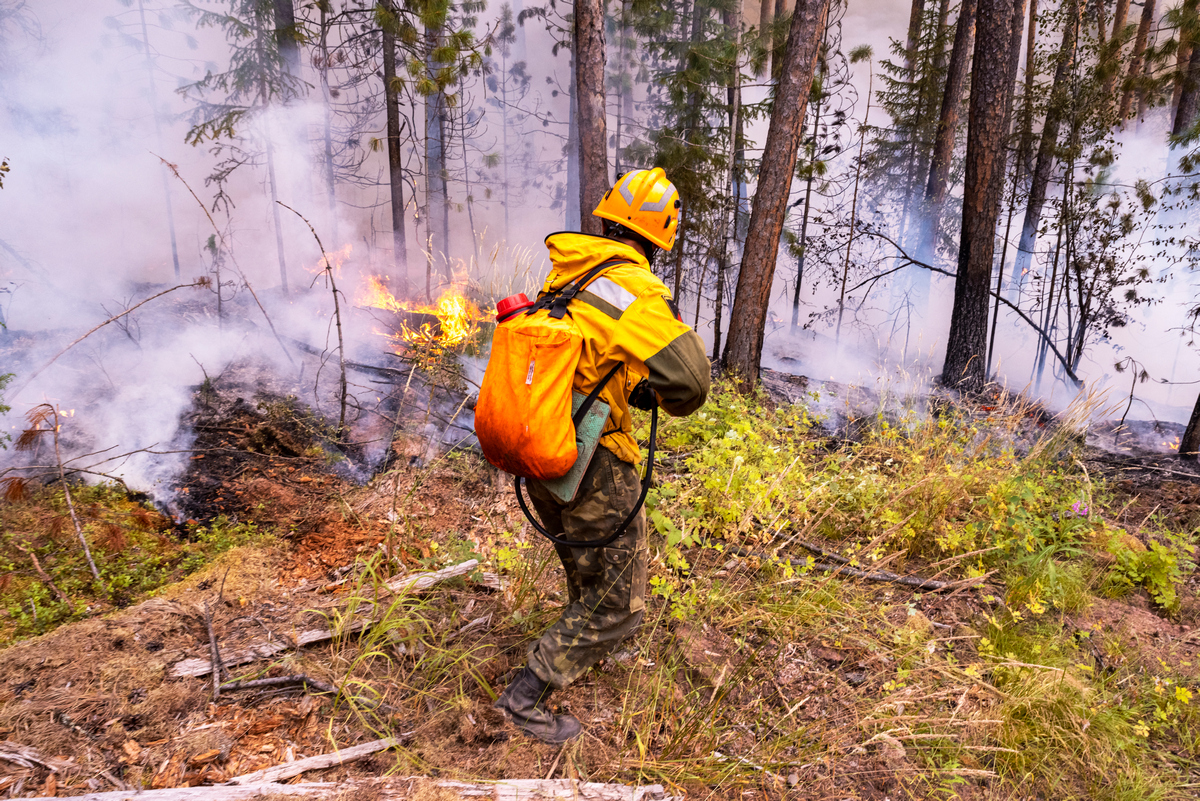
456, 315
336, 259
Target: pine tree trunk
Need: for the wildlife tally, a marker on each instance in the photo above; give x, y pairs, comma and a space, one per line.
589, 88
766, 12
991, 90
166, 181
1025, 140
916, 13
395, 163
743, 351
1135, 62
943, 145
1120, 17
1190, 443
573, 217
286, 35
436, 200
1048, 145
1188, 85
1182, 57
778, 39
733, 22
327, 128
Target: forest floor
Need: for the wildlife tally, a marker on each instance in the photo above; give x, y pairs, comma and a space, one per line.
1059, 661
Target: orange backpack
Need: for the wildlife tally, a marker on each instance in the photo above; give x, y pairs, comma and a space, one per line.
523, 416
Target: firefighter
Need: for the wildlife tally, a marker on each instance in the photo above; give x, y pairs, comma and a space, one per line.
626, 315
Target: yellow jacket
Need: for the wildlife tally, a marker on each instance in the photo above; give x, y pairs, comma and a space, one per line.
627, 315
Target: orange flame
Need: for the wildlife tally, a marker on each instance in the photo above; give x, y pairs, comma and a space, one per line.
336, 259
456, 315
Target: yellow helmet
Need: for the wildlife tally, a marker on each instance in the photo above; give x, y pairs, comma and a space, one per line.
646, 202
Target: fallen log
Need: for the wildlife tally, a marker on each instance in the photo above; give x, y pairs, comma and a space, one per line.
28, 757
401, 789
289, 769
266, 649
311, 684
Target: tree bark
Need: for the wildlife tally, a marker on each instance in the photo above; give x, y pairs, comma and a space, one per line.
1135, 61
914, 35
766, 12
1187, 84
733, 22
286, 35
1025, 141
589, 89
437, 201
395, 163
1048, 144
1189, 96
743, 351
1120, 17
573, 214
943, 144
327, 121
991, 90
1190, 443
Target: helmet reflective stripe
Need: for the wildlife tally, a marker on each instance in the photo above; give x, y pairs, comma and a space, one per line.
626, 192
661, 205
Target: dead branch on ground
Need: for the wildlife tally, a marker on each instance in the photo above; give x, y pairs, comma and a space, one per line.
200, 666
309, 683
49, 582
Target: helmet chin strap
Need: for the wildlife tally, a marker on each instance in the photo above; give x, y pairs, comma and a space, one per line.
614, 230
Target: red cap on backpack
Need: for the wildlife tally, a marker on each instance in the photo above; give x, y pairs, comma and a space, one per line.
511, 305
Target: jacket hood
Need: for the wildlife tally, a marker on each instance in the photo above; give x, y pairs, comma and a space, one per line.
573, 254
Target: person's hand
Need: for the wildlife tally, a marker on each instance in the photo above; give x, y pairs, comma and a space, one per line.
642, 397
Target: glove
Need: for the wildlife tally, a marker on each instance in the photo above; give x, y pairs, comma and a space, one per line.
643, 397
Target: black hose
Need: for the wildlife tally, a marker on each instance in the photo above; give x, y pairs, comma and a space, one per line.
600, 543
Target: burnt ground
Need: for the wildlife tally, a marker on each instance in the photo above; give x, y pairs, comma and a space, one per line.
101, 695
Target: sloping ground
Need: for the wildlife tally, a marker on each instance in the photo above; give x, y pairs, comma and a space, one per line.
1046, 670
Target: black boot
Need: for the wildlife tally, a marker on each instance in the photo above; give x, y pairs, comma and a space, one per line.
524, 703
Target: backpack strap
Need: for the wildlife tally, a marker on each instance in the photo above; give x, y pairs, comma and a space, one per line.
584, 407
557, 300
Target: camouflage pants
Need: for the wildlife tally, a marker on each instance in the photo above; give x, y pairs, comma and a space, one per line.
606, 587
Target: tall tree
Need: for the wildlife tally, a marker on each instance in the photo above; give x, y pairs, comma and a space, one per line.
915, 15
1048, 146
733, 22
1187, 82
389, 23
589, 91
1133, 77
287, 35
743, 352
1111, 57
437, 199
943, 147
166, 181
991, 91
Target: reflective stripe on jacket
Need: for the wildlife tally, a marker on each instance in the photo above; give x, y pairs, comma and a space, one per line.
627, 315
